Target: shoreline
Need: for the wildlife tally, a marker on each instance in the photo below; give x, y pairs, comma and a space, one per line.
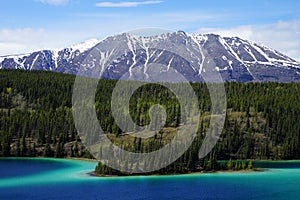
52, 158
80, 159
93, 174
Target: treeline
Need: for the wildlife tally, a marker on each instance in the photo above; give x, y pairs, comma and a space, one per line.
36, 120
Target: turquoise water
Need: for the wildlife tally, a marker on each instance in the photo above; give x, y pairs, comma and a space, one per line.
68, 179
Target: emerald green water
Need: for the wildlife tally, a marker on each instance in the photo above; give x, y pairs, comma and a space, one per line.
68, 179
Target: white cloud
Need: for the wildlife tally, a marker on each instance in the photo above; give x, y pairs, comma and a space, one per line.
54, 2
14, 41
20, 35
7, 48
125, 4
282, 36
27, 40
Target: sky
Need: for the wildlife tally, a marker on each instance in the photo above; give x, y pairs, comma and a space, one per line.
29, 25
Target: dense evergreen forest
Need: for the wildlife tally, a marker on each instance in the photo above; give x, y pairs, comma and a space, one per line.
261, 123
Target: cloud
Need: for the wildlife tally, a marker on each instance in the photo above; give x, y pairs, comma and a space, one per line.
27, 40
15, 41
7, 48
22, 35
125, 4
54, 2
282, 36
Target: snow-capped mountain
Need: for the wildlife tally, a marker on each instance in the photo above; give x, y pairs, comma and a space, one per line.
65, 60
236, 59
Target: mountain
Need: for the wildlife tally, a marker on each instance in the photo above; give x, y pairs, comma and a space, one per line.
236, 59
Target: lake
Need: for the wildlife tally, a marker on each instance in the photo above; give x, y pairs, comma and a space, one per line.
41, 178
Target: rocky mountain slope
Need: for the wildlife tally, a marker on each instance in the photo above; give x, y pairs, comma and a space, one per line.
236, 59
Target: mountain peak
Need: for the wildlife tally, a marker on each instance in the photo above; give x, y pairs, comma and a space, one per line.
83, 46
235, 59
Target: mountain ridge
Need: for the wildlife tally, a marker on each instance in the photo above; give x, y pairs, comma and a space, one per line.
235, 59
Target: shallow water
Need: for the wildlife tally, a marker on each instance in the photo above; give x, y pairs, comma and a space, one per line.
68, 179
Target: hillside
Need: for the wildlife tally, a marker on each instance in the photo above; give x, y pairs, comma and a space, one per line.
36, 119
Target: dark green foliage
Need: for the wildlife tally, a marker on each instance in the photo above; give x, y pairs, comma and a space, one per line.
35, 114
36, 120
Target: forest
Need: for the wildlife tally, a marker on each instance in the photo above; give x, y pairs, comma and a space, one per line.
261, 121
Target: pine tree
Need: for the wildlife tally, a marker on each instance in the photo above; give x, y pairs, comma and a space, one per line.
244, 164
47, 151
229, 164
250, 165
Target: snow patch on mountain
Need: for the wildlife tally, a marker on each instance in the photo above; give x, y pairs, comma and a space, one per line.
84, 46
236, 59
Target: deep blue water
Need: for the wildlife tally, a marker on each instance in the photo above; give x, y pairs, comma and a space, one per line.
28, 166
68, 179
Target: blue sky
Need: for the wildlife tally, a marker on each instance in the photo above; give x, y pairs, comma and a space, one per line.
27, 25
